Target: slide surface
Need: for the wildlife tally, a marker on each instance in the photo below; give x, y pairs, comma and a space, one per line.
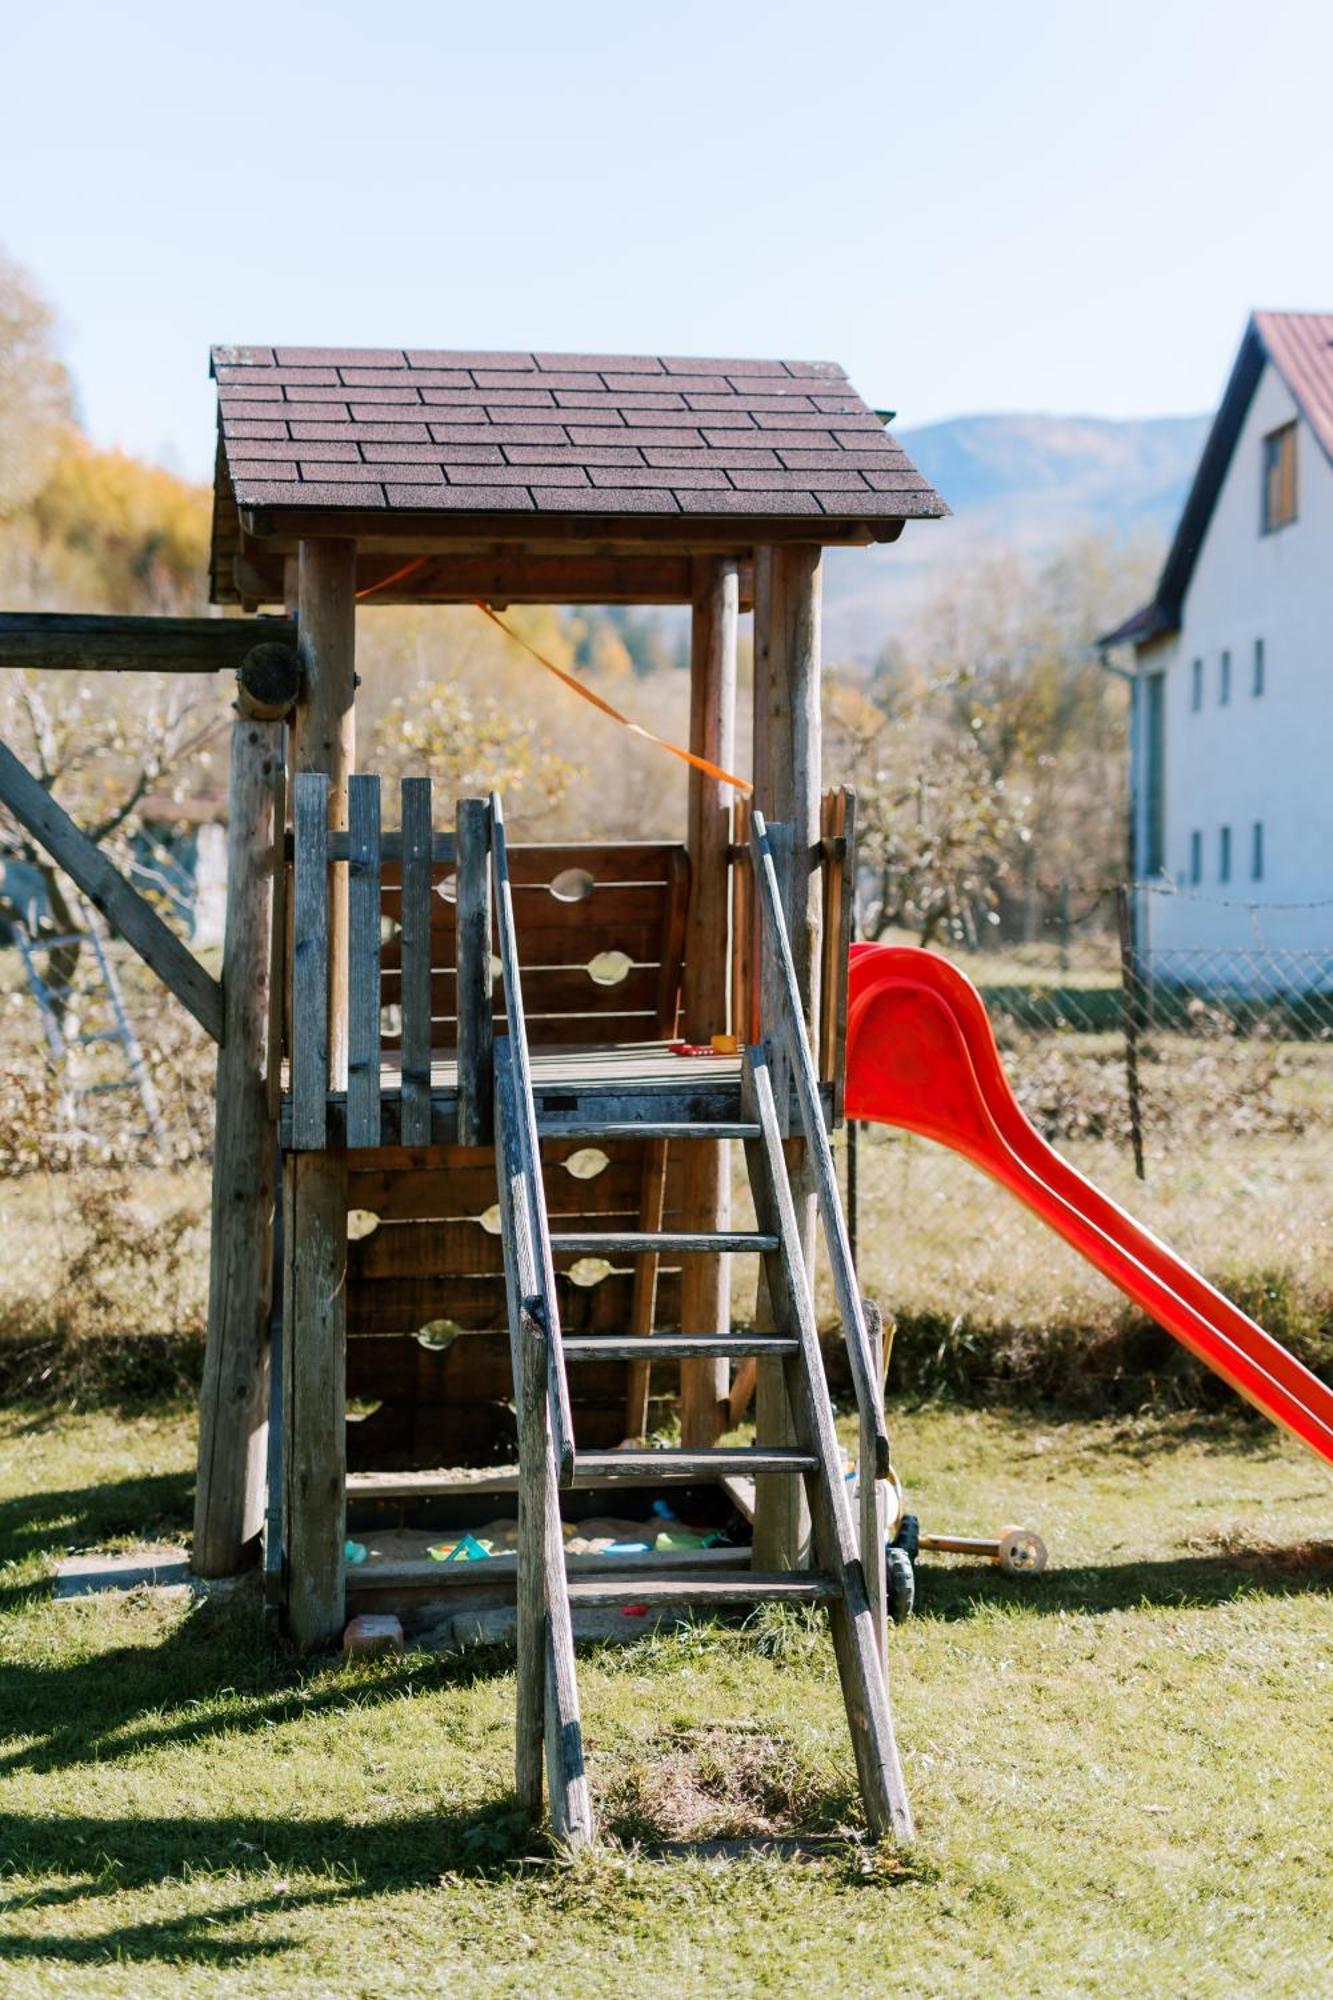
921, 1056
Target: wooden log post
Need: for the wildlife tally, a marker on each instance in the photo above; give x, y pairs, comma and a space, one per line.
233, 1402
706, 1203
787, 754
315, 1191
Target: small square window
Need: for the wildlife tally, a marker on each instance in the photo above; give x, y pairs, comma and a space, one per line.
1224, 855
1196, 684
1224, 680
1257, 686
1196, 857
1257, 851
1279, 479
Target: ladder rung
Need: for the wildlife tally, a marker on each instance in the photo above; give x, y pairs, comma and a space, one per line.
674, 1346
673, 1463
599, 1128
637, 1242
743, 1586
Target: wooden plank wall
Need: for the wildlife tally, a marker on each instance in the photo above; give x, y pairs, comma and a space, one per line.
450, 1403
430, 1264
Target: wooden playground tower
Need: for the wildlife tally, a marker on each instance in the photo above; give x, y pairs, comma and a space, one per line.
425, 1026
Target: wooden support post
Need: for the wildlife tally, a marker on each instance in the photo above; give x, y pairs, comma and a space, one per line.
787, 752
233, 1400
473, 920
706, 1204
315, 1194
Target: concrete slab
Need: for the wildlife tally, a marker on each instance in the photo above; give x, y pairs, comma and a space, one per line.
155, 1569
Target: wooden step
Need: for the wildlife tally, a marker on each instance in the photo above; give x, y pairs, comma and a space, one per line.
744, 1586
593, 1471
672, 1463
420, 1572
639, 1242
594, 1128
675, 1346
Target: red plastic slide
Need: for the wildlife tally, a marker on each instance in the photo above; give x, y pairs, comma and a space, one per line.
921, 1055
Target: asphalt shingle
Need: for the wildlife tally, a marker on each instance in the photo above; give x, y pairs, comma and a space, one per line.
427, 428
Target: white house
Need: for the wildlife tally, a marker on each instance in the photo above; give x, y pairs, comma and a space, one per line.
1232, 733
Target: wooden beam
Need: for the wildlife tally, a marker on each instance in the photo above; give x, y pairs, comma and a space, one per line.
268, 682
92, 645
127, 912
381, 531
706, 1281
787, 752
324, 735
314, 1379
233, 1398
472, 955
505, 574
315, 1238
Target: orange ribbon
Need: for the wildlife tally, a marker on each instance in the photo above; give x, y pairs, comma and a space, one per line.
588, 694
637, 728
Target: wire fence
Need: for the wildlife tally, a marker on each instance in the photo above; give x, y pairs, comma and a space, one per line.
1177, 1050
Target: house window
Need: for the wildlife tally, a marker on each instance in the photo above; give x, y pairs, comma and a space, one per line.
1154, 845
1279, 473
1224, 855
1257, 851
1257, 687
1196, 858
1224, 680
1196, 684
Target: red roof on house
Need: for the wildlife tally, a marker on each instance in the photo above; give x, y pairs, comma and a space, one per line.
1300, 347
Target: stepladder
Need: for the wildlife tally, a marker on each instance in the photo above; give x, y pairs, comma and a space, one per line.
778, 1094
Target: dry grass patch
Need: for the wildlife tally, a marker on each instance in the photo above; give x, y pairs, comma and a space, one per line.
717, 1781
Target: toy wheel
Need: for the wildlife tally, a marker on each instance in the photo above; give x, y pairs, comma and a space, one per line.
902, 1585
1021, 1553
908, 1537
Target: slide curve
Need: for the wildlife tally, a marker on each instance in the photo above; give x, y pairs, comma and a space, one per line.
921, 1056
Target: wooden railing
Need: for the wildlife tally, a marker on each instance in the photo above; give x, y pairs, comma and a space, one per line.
833, 855
521, 1154
793, 1065
548, 1709
408, 863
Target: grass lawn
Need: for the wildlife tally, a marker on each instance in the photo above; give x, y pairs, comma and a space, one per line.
1120, 1770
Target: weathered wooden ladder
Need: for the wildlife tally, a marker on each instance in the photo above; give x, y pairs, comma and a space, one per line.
849, 1569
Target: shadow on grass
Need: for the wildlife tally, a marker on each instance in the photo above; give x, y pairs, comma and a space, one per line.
214, 1673
352, 1860
147, 1506
1188, 1582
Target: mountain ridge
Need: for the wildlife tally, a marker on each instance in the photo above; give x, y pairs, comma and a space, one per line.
1022, 480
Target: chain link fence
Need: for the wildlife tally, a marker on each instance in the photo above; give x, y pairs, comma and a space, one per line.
1179, 1052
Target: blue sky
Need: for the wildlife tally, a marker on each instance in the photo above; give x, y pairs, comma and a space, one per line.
973, 205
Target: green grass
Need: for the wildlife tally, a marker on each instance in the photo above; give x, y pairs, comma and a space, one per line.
1119, 1770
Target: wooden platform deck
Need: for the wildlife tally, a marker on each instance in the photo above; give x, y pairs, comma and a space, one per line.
576, 1089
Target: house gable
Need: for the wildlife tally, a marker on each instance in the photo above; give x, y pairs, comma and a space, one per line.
1299, 349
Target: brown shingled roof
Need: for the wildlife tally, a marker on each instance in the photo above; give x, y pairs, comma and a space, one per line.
634, 436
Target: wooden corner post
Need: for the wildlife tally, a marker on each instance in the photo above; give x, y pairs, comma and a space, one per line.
787, 757
315, 1189
233, 1399
706, 1281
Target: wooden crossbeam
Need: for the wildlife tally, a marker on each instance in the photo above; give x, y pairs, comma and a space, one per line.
127, 912
97, 645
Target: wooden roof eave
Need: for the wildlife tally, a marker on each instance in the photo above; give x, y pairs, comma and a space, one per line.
582, 559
